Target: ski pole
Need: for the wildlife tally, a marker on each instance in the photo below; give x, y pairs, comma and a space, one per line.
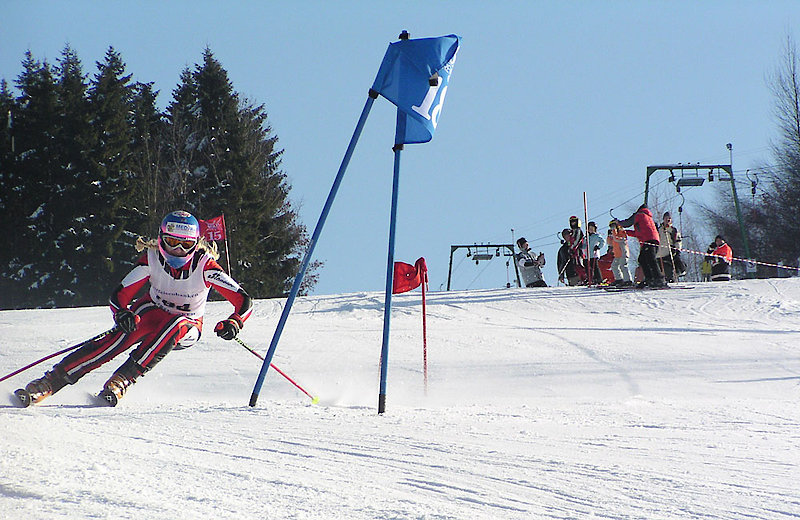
73, 347
314, 400
563, 270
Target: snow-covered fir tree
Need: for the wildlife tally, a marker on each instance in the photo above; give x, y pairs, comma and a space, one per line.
89, 164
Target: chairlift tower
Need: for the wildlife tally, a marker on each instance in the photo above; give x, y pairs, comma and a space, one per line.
693, 175
482, 252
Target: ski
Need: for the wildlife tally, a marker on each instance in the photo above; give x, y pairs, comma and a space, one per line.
107, 398
634, 288
23, 397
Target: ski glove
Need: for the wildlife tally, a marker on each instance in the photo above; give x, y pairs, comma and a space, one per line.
126, 320
227, 329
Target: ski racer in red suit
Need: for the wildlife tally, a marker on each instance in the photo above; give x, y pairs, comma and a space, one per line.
645, 230
181, 269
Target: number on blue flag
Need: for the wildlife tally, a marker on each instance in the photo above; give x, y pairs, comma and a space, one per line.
414, 76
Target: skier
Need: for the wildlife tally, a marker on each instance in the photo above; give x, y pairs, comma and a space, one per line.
577, 247
669, 254
605, 262
530, 267
619, 244
181, 268
596, 243
564, 261
721, 260
645, 230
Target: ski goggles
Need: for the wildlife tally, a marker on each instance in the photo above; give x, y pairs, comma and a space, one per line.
187, 244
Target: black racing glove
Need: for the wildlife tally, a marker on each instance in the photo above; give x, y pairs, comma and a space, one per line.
227, 329
126, 320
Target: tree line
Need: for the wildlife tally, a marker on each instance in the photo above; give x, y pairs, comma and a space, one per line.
88, 164
771, 217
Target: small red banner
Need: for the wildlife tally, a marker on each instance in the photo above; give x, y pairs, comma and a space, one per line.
213, 229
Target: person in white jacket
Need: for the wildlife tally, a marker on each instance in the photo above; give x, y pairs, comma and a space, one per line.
530, 267
596, 243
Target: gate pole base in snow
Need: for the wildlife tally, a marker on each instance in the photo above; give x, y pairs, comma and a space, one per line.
309, 252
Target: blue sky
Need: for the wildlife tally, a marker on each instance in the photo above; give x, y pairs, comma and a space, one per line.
547, 100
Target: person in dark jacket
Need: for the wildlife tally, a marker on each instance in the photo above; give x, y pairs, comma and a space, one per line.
644, 229
669, 250
577, 247
565, 261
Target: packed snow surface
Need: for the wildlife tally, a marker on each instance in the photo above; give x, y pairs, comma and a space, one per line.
541, 403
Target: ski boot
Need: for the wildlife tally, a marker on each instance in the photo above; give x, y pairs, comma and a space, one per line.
117, 384
38, 389
114, 389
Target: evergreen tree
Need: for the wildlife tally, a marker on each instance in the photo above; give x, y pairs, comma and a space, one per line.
74, 136
7, 108
233, 167
181, 141
9, 199
148, 199
30, 248
85, 165
106, 251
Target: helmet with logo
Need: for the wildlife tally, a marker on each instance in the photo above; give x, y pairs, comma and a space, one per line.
178, 237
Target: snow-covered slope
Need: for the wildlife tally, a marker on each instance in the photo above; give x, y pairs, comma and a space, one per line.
547, 403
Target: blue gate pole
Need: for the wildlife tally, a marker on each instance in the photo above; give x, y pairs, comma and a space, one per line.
314, 238
387, 306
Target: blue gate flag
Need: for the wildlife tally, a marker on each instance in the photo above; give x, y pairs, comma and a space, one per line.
414, 76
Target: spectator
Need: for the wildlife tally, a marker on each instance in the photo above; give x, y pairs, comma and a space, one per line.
565, 262
530, 267
721, 258
605, 262
669, 254
577, 247
645, 230
596, 243
618, 239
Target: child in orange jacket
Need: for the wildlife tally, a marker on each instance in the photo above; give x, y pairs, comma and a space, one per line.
618, 240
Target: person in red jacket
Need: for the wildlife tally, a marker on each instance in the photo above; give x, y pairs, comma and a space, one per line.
181, 268
645, 230
720, 256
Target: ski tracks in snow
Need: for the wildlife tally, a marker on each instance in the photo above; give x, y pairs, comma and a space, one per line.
554, 403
